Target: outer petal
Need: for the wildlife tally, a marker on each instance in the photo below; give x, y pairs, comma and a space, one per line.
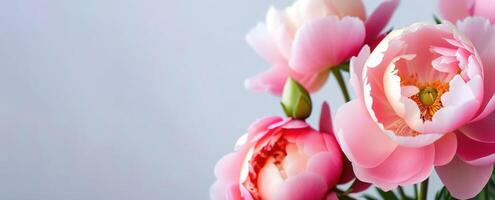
445, 149
464, 181
262, 42
328, 165
482, 131
357, 65
359, 136
401, 166
379, 19
485, 9
475, 153
454, 10
353, 8
326, 42
272, 80
482, 35
326, 119
303, 186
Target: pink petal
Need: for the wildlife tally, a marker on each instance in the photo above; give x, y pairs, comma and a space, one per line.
262, 42
272, 80
359, 136
445, 149
328, 165
326, 119
347, 172
332, 196
229, 167
485, 9
263, 123
359, 186
481, 130
482, 35
473, 152
464, 181
402, 165
357, 65
218, 191
354, 8
379, 19
302, 187
326, 42
454, 10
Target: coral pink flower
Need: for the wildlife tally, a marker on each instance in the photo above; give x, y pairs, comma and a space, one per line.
425, 98
454, 10
283, 159
308, 38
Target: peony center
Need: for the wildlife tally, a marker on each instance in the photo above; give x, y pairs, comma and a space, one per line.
428, 96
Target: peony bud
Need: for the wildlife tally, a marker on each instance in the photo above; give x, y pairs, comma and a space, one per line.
296, 101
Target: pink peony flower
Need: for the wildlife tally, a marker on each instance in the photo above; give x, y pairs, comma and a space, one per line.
283, 159
454, 10
425, 97
308, 38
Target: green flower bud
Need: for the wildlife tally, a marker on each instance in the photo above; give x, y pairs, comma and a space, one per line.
296, 101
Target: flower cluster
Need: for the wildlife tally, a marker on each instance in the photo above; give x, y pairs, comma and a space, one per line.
424, 102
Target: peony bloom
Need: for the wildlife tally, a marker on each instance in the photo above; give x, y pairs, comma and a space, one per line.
308, 38
424, 100
283, 159
454, 10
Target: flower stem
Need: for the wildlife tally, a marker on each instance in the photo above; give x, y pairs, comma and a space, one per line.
423, 190
402, 193
340, 79
487, 192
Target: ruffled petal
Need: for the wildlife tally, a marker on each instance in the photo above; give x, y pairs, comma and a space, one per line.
360, 143
464, 181
357, 65
326, 42
482, 35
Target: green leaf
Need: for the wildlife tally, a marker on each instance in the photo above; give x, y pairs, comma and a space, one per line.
387, 195
437, 20
368, 197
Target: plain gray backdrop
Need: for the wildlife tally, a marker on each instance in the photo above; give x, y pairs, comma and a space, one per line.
132, 99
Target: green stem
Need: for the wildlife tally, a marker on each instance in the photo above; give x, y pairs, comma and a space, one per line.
423, 190
415, 191
340, 80
487, 192
402, 193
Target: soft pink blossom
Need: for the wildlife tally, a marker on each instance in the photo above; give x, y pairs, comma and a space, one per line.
454, 10
425, 97
283, 159
308, 38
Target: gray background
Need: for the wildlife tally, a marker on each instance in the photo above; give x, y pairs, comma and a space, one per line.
123, 99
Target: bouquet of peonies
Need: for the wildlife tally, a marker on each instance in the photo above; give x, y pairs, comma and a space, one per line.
424, 101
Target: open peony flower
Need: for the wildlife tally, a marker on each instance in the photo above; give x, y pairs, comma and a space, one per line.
424, 100
308, 38
454, 10
284, 159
